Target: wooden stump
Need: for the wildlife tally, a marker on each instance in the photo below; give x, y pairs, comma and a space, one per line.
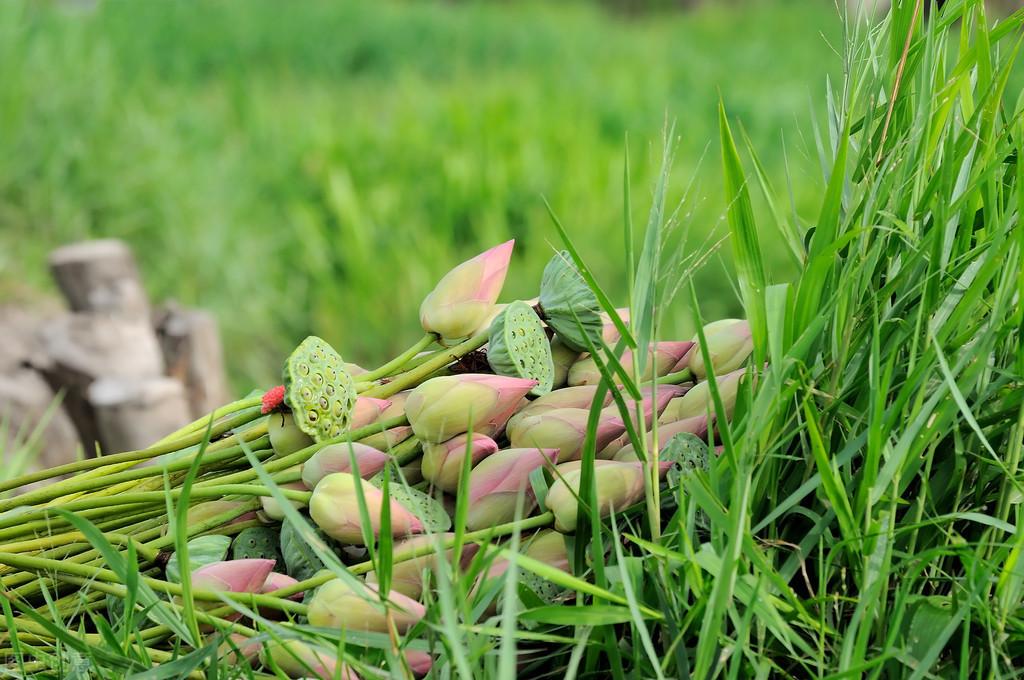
100, 277
81, 348
192, 351
132, 413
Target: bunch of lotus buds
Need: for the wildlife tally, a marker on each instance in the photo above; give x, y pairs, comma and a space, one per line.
495, 419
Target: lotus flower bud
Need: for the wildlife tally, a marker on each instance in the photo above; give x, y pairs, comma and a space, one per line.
367, 410
388, 439
354, 369
285, 435
651, 405
442, 463
206, 511
412, 472
464, 298
698, 425
610, 332
563, 429
419, 662
272, 509
335, 509
619, 485
396, 407
495, 485
568, 397
661, 359
238, 650
548, 546
407, 576
336, 604
296, 659
450, 405
729, 345
698, 402
338, 458
235, 576
276, 581
563, 357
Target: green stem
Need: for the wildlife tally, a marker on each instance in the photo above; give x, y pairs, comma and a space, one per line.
399, 361
676, 378
415, 376
406, 452
114, 460
200, 424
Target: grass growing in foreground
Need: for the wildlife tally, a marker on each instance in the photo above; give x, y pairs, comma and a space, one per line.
863, 518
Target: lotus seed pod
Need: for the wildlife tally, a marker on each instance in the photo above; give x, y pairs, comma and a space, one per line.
338, 605
338, 458
562, 359
564, 430
407, 576
519, 347
367, 411
272, 509
496, 483
334, 507
619, 485
444, 407
567, 397
296, 659
569, 306
285, 435
729, 345
319, 390
464, 298
257, 543
442, 463
698, 401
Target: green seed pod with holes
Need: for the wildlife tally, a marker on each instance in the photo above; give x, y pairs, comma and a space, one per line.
319, 390
258, 543
518, 347
569, 306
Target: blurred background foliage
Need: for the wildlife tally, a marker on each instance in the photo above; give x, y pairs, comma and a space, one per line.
314, 167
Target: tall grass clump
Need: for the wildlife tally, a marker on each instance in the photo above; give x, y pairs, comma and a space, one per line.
856, 513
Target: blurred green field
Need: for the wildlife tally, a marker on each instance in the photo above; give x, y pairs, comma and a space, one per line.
314, 167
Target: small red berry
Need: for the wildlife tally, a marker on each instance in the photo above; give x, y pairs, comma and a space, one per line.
272, 399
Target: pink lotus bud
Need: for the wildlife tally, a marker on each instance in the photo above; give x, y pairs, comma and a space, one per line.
563, 429
698, 402
563, 357
272, 509
568, 397
276, 581
335, 509
495, 485
397, 405
203, 512
354, 369
238, 650
338, 458
619, 485
651, 406
661, 358
285, 435
442, 463
450, 405
388, 439
419, 662
338, 605
548, 546
463, 299
729, 345
235, 576
367, 410
698, 425
609, 331
407, 577
296, 659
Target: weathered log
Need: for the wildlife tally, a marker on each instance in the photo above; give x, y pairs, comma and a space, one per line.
78, 349
100, 277
192, 350
132, 413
